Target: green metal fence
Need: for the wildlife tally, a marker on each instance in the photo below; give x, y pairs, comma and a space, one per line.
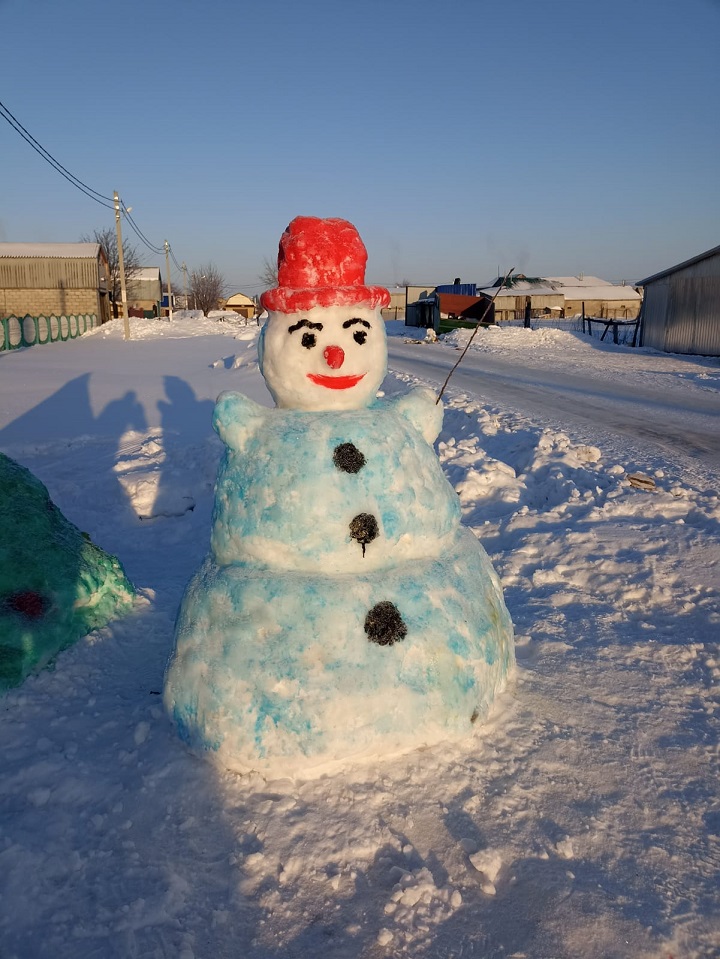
17, 331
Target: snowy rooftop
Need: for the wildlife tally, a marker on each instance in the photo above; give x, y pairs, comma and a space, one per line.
147, 273
592, 288
58, 250
570, 287
523, 286
581, 280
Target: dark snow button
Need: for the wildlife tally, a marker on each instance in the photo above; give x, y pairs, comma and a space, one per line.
384, 625
364, 529
348, 458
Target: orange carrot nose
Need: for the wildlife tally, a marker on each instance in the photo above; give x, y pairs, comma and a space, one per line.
334, 357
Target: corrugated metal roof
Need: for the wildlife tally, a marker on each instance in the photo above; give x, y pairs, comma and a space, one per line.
680, 266
578, 280
562, 286
147, 273
522, 288
608, 293
65, 251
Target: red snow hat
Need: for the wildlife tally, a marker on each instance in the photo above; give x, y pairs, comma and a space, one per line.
321, 263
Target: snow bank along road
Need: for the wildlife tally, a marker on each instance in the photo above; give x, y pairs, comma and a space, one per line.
676, 421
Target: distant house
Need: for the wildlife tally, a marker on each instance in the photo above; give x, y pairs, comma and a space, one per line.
596, 297
520, 293
145, 291
681, 308
54, 279
241, 304
563, 296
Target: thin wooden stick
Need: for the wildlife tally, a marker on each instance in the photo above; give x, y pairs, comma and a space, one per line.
467, 345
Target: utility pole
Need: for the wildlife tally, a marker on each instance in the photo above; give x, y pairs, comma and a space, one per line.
121, 265
184, 271
167, 266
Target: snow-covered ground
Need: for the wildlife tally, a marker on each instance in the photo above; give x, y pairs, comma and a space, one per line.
582, 821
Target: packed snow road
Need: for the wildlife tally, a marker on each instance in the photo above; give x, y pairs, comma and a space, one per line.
678, 422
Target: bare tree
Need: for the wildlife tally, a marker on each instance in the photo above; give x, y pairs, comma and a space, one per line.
207, 288
268, 276
131, 262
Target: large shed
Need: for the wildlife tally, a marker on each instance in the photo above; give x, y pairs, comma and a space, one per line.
144, 291
681, 307
54, 279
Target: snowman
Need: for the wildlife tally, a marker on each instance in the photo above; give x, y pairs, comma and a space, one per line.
343, 612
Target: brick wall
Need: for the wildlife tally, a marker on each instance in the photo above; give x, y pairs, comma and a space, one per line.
49, 302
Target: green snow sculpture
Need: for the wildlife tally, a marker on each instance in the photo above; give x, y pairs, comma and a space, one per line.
55, 584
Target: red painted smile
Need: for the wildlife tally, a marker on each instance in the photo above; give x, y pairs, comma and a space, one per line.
335, 382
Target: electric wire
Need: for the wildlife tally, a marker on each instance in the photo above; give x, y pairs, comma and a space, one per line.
105, 201
140, 234
49, 158
172, 257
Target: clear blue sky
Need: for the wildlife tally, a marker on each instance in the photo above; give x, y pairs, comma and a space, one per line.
459, 136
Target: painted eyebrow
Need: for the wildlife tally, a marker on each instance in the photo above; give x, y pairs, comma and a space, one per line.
303, 322
348, 323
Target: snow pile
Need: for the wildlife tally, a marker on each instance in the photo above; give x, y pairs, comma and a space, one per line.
583, 820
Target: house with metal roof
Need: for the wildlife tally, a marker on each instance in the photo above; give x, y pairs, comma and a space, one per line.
563, 296
54, 279
595, 297
519, 294
144, 291
681, 307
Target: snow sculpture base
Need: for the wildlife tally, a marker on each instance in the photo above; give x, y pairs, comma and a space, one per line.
279, 675
55, 584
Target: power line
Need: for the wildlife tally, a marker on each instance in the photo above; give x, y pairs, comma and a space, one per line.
177, 265
49, 158
151, 246
72, 179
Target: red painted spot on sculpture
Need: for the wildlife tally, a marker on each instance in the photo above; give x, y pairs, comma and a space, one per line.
334, 357
334, 382
28, 603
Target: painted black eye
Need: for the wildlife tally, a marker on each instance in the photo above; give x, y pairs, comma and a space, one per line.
308, 340
360, 336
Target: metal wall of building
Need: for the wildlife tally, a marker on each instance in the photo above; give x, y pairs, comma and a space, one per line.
34, 273
655, 312
681, 313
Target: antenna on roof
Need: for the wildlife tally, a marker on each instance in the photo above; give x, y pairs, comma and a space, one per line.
467, 345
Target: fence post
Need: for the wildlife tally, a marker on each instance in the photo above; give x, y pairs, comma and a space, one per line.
24, 341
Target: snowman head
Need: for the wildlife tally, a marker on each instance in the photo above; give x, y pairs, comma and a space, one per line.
323, 346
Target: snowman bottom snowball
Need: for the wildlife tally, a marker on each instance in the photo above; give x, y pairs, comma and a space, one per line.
296, 675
